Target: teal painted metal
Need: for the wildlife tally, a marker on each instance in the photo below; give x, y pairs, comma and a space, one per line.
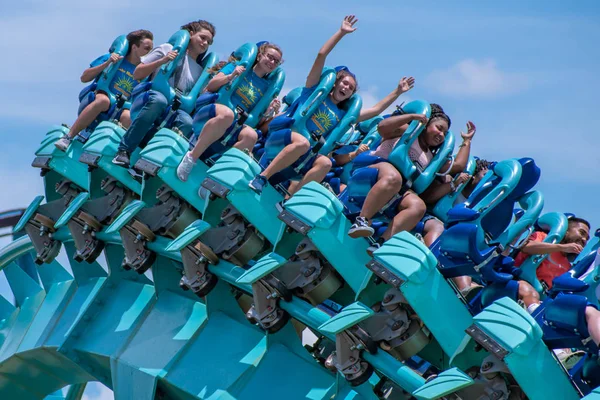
516, 332
445, 383
144, 337
556, 225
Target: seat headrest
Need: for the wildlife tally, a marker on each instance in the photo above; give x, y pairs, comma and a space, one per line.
529, 177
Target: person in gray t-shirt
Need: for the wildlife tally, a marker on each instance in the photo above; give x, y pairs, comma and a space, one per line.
183, 79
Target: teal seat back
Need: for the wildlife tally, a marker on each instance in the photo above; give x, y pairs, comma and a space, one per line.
556, 225
246, 54
119, 46
508, 173
179, 40
188, 101
415, 178
440, 210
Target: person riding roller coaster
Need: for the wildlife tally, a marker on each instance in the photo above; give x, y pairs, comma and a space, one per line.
221, 117
296, 145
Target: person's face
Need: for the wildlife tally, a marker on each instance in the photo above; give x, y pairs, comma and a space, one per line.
436, 132
201, 40
143, 48
269, 60
577, 233
344, 88
479, 176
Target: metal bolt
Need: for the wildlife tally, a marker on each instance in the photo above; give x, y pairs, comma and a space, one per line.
486, 366
397, 325
309, 271
388, 298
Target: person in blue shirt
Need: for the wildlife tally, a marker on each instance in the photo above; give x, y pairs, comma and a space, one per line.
324, 120
221, 118
123, 82
186, 73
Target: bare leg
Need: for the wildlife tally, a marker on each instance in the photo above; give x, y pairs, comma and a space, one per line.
213, 130
592, 316
411, 210
432, 230
317, 173
125, 119
89, 114
389, 182
463, 282
290, 154
246, 139
528, 294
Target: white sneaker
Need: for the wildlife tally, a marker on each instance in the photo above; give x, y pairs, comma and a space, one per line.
63, 143
185, 167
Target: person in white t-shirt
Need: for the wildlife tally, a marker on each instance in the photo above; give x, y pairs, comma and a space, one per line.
183, 79
410, 208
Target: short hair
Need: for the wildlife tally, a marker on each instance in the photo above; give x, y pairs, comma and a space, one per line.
136, 37
195, 26
579, 220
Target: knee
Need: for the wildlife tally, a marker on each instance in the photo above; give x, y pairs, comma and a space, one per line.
417, 206
434, 227
158, 100
301, 143
224, 114
249, 134
324, 163
393, 181
102, 101
527, 291
591, 314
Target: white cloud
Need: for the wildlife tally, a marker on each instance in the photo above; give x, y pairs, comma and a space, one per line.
476, 78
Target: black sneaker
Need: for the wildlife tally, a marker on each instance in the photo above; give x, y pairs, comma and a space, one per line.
122, 159
258, 183
360, 228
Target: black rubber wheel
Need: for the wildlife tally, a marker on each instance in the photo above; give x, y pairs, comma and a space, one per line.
362, 378
285, 293
96, 251
145, 266
284, 317
208, 286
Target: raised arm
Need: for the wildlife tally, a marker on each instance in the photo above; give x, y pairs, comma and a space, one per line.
395, 126
92, 72
404, 85
462, 157
315, 72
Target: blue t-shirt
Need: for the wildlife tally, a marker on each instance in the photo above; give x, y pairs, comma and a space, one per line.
248, 92
122, 81
325, 118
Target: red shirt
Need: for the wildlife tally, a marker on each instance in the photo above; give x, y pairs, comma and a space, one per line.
554, 265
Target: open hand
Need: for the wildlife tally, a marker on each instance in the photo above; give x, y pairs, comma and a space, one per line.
470, 131
348, 24
406, 84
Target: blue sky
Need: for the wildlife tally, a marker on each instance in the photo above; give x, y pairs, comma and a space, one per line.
526, 72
